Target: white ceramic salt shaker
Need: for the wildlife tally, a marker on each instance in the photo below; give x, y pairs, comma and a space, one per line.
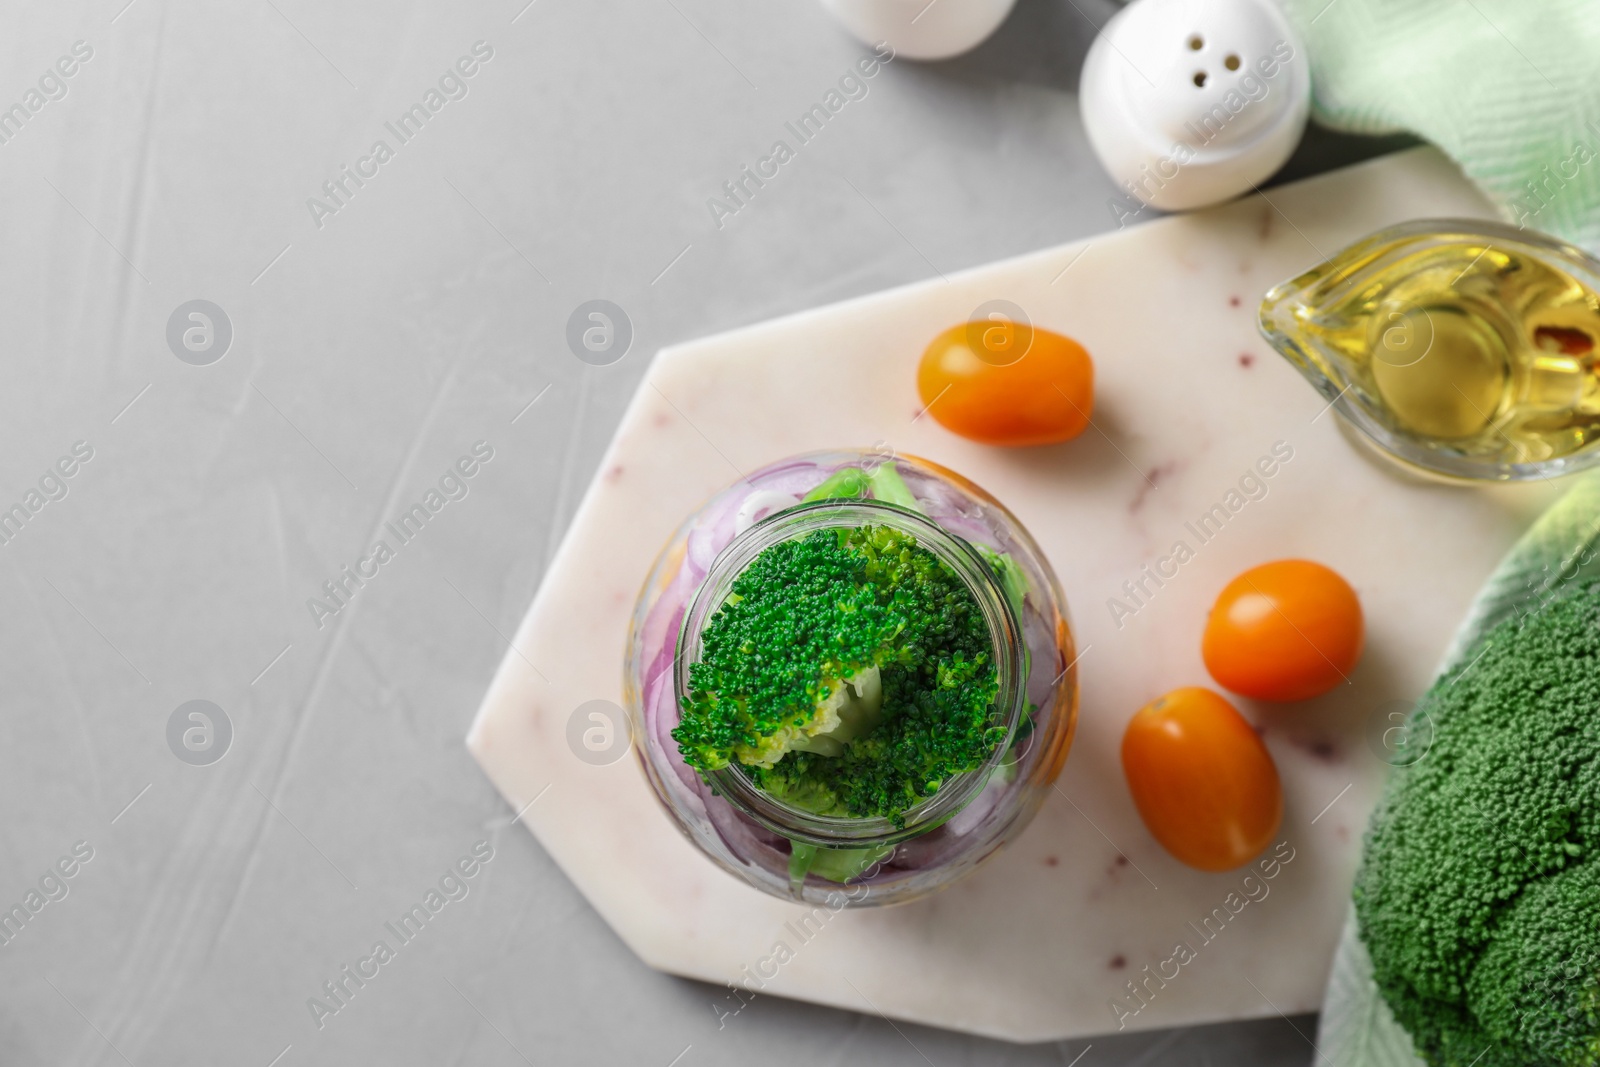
1192, 102
922, 29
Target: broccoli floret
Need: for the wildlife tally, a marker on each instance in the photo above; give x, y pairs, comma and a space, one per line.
850, 671
1479, 891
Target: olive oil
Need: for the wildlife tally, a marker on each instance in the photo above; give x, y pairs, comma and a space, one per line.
1468, 349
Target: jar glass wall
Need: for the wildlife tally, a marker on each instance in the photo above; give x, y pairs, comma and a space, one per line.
794, 853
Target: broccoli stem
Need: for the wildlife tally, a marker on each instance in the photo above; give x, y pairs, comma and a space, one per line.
1012, 579
890, 488
801, 857
831, 864
848, 483
844, 864
852, 483
1014, 582
1007, 770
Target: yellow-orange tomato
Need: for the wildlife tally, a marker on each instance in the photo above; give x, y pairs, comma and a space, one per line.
1005, 383
1287, 630
1203, 782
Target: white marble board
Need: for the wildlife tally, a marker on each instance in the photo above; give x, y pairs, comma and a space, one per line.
1038, 942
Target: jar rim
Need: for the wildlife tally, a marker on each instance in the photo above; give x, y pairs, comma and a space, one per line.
1007, 648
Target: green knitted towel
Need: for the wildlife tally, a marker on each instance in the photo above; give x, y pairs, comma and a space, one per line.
1563, 547
1508, 88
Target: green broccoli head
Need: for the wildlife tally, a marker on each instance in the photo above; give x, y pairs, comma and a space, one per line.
1479, 890
850, 670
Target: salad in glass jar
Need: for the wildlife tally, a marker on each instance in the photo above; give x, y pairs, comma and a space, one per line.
851, 672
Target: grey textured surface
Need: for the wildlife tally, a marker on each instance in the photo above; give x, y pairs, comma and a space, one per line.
367, 355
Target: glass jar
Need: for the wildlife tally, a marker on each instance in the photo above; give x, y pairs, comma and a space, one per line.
843, 861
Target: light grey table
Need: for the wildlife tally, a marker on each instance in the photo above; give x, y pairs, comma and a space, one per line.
374, 341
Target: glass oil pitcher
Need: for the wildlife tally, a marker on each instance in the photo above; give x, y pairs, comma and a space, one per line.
1459, 349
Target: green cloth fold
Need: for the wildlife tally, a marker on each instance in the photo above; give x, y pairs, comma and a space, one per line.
1507, 88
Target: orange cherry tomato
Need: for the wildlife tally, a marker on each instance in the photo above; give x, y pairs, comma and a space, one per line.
1204, 784
1005, 383
1287, 630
